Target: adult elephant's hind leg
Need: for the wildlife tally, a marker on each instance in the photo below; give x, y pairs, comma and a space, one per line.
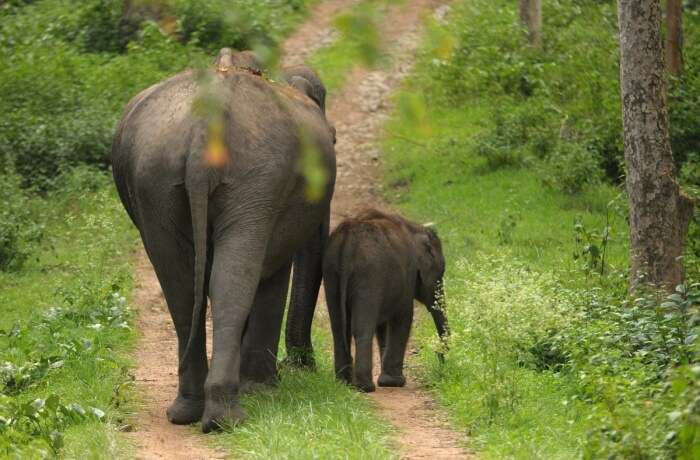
262, 333
173, 261
235, 277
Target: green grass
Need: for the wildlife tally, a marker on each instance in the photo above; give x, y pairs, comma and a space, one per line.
62, 325
310, 415
509, 241
548, 359
444, 181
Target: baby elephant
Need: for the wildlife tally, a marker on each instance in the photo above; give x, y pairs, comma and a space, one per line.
374, 266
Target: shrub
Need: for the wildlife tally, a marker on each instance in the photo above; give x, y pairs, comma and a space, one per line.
61, 104
109, 25
571, 168
570, 87
684, 103
241, 24
515, 137
77, 330
630, 367
18, 228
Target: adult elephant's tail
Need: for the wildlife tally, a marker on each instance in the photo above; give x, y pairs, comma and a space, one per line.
197, 183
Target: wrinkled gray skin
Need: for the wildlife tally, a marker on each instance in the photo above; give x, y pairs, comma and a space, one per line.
227, 232
374, 267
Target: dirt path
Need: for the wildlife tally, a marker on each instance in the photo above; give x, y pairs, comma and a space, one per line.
358, 111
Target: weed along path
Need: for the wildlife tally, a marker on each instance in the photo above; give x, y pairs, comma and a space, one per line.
358, 109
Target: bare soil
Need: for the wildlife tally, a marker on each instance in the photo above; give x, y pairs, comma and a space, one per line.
358, 111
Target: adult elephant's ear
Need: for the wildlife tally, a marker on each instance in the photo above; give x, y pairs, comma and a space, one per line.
318, 90
303, 85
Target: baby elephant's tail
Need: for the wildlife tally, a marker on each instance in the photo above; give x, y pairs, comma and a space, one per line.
345, 319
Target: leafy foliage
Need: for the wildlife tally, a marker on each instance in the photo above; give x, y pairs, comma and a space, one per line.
560, 104
64, 86
18, 230
65, 323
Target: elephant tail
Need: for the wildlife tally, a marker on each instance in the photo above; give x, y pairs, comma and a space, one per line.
345, 313
197, 183
346, 321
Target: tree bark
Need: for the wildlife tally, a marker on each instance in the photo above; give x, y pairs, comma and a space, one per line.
674, 37
659, 210
531, 16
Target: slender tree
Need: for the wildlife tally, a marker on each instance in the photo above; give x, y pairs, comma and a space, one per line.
674, 36
531, 16
659, 210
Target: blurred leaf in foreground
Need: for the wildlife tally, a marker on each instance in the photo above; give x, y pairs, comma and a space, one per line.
412, 109
361, 27
312, 169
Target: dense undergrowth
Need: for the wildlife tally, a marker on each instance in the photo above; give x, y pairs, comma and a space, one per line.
65, 326
71, 66
515, 155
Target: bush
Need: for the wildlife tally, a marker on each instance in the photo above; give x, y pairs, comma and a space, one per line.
517, 136
241, 24
570, 87
572, 168
90, 321
628, 370
109, 26
18, 228
628, 357
61, 104
685, 115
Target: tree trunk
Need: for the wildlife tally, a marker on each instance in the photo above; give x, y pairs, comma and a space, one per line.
674, 37
659, 210
531, 16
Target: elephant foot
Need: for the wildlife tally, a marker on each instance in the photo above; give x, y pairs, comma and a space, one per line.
367, 387
184, 411
254, 386
345, 375
219, 415
300, 357
386, 380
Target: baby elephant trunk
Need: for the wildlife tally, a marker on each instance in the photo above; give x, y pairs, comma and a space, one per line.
437, 310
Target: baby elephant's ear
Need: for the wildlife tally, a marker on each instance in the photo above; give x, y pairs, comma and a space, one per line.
431, 263
426, 255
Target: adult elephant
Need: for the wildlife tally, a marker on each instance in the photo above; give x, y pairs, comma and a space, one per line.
223, 209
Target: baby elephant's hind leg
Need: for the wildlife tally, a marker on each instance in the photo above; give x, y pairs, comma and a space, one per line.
364, 323
398, 331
